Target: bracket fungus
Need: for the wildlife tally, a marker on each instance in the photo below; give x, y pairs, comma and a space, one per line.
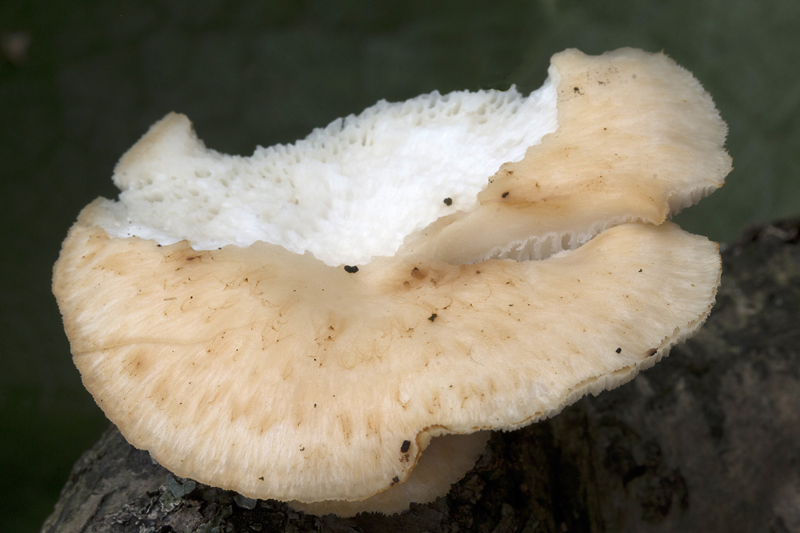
301, 323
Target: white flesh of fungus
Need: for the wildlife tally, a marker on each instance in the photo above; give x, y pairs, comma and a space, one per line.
350, 191
212, 338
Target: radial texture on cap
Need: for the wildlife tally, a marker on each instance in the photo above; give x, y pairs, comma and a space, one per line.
278, 376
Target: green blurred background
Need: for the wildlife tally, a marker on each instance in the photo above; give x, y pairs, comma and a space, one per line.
81, 81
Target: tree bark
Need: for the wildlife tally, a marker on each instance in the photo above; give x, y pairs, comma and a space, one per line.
708, 440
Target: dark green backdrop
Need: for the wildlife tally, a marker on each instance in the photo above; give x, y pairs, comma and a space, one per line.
97, 73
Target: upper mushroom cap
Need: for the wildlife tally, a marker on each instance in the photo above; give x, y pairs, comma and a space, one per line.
638, 140
272, 373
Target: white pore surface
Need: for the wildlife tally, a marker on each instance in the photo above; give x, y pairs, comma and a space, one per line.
350, 191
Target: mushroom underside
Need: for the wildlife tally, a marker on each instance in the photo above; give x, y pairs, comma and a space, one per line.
443, 463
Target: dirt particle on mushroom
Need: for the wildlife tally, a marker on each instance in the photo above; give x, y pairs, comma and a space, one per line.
619, 350
350, 269
406, 445
432, 317
448, 201
416, 273
505, 194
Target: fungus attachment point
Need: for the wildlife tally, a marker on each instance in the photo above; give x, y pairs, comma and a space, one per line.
212, 296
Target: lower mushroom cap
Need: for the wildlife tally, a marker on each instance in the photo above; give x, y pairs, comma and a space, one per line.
275, 375
442, 463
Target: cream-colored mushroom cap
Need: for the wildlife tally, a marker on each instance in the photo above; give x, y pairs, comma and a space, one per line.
638, 140
216, 315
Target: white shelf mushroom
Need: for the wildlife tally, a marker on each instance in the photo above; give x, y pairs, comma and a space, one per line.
301, 323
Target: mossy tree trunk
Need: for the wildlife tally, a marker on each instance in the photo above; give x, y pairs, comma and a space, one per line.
708, 440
